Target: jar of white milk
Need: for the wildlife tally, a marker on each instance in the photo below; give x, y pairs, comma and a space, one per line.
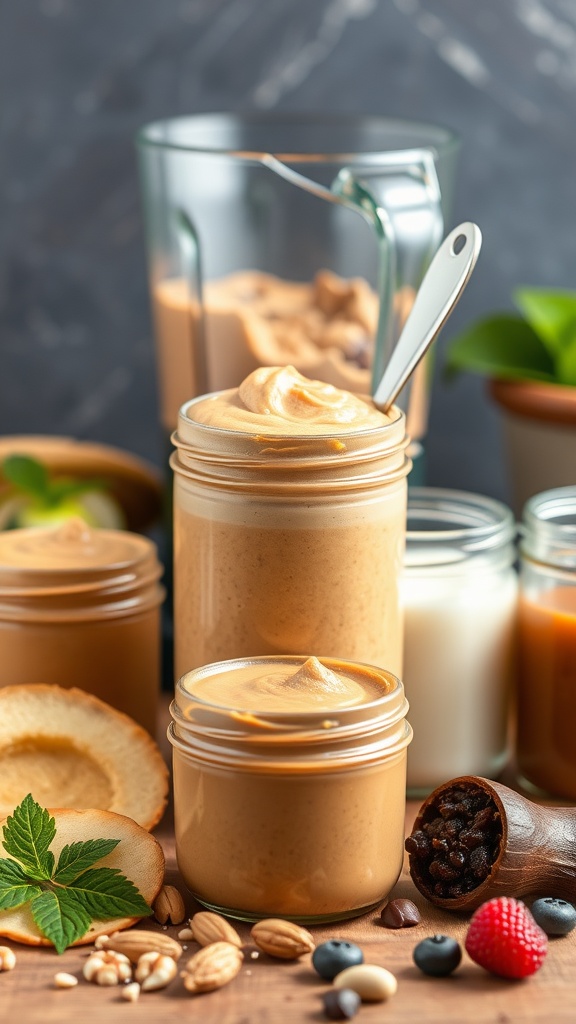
459, 594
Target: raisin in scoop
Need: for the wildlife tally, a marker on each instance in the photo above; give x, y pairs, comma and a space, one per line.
474, 839
455, 841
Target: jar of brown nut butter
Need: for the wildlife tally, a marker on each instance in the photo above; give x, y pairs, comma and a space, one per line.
289, 786
289, 524
81, 607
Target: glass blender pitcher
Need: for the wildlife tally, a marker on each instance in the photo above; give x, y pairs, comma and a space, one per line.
278, 239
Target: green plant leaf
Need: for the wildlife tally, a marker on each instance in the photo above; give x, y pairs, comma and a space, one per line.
501, 346
28, 475
566, 364
60, 916
107, 893
16, 887
28, 833
551, 314
77, 857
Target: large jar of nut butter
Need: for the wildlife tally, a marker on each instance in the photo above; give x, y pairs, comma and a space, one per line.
289, 523
289, 786
81, 607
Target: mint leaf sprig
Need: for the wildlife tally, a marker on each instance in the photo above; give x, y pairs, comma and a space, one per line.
64, 897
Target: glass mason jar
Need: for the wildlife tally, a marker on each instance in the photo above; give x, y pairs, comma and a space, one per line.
459, 594
546, 749
291, 813
81, 607
288, 544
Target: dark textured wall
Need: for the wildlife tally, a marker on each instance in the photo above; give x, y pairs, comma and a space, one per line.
77, 77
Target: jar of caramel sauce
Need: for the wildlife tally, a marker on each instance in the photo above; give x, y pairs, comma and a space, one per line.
81, 607
546, 744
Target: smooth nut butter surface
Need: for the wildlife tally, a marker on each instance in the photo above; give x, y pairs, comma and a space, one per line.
280, 687
289, 786
73, 546
289, 523
80, 607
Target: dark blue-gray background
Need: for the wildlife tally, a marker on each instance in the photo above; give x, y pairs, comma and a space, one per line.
78, 77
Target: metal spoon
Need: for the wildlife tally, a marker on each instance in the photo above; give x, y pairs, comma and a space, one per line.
443, 284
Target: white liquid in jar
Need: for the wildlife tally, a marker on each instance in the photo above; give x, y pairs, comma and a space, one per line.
459, 631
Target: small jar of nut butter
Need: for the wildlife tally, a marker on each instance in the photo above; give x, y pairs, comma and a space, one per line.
289, 786
81, 607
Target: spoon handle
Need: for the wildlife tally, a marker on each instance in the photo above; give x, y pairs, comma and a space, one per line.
443, 284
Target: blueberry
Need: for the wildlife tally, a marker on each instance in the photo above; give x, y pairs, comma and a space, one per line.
555, 917
341, 1003
333, 956
438, 956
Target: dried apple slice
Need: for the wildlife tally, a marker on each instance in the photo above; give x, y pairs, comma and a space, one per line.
70, 749
138, 856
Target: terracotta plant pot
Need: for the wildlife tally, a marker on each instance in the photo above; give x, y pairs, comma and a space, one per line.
540, 435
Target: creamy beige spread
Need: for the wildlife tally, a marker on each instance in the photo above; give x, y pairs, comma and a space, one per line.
80, 607
74, 545
312, 687
283, 816
279, 400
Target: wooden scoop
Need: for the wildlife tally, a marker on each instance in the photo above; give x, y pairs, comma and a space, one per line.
530, 849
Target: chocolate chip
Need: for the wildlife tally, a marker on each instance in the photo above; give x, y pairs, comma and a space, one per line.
400, 913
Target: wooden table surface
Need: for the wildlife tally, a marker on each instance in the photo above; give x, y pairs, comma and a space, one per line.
269, 991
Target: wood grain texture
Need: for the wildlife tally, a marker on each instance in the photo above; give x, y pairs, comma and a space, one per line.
268, 991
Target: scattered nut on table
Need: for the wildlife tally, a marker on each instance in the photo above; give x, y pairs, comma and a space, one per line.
107, 967
64, 980
7, 958
169, 905
212, 967
154, 971
131, 992
136, 941
282, 939
208, 927
373, 984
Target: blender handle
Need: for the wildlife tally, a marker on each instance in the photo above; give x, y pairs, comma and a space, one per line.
398, 193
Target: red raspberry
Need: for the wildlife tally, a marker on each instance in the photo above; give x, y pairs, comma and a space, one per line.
504, 938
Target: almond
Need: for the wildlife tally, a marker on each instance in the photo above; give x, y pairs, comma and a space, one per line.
169, 905
208, 928
283, 939
138, 941
213, 967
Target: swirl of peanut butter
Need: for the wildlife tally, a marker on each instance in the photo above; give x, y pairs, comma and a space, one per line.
279, 400
312, 687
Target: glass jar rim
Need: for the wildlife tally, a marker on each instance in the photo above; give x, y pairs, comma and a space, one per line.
327, 739
458, 517
389, 700
425, 135
548, 527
